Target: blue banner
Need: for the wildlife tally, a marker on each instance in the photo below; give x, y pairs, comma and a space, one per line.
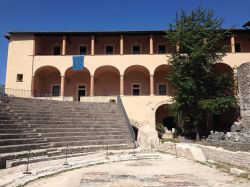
78, 63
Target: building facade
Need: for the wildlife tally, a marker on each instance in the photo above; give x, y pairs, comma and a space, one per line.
131, 64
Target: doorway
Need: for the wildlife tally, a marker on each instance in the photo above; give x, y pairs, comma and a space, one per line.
81, 91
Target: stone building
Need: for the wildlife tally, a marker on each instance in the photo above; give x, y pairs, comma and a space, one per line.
130, 64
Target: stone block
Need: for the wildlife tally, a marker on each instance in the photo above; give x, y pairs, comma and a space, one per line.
239, 173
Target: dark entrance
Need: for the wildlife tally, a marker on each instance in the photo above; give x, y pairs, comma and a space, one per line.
81, 91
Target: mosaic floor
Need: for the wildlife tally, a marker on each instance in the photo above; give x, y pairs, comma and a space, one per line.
105, 179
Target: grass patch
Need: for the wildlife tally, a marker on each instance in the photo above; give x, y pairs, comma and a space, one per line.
170, 140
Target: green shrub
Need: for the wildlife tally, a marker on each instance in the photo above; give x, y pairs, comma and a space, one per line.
160, 127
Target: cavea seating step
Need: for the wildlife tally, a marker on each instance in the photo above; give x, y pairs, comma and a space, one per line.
32, 124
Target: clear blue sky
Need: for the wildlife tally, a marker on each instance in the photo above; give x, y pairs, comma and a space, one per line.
69, 15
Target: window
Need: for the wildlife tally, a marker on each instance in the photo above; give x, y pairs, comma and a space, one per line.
19, 77
55, 90
237, 47
57, 50
83, 50
136, 89
136, 49
161, 49
162, 89
109, 49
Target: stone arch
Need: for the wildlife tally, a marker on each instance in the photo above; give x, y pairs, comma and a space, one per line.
165, 116
107, 81
45, 79
77, 83
160, 79
223, 68
136, 74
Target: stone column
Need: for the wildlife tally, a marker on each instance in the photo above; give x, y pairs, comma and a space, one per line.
64, 45
92, 85
151, 84
32, 86
121, 84
121, 44
232, 44
93, 45
62, 86
151, 45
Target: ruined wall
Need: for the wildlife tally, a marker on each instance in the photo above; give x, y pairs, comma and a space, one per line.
243, 74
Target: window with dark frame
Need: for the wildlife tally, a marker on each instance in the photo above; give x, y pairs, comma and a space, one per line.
161, 49
136, 89
109, 50
57, 50
56, 90
237, 48
19, 78
136, 49
83, 50
162, 89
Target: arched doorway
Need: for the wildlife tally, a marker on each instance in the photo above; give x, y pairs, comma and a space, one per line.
162, 86
47, 82
107, 81
77, 83
164, 116
136, 80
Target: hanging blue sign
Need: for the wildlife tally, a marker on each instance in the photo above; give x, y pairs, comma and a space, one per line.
78, 63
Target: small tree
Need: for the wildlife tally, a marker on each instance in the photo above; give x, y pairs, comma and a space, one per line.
201, 91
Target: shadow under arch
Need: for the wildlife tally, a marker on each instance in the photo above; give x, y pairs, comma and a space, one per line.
107, 81
77, 83
47, 82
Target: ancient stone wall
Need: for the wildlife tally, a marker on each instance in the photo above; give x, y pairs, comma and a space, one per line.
191, 152
243, 74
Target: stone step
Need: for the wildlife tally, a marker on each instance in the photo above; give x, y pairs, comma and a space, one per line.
4, 142
87, 138
110, 125
22, 147
77, 133
17, 135
91, 142
91, 130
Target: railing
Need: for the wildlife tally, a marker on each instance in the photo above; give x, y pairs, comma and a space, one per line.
120, 104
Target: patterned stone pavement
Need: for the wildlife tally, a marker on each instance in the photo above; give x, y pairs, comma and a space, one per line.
105, 179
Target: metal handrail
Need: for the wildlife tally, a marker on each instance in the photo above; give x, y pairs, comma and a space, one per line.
121, 106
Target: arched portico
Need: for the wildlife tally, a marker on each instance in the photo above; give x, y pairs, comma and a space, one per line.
136, 80
77, 83
107, 81
162, 86
47, 82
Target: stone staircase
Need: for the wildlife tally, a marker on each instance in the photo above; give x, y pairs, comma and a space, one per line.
50, 127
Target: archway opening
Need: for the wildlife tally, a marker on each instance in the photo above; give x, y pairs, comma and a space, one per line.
77, 83
135, 131
162, 85
47, 82
164, 119
136, 80
107, 81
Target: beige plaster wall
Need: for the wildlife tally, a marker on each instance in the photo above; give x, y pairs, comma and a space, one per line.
141, 109
20, 51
